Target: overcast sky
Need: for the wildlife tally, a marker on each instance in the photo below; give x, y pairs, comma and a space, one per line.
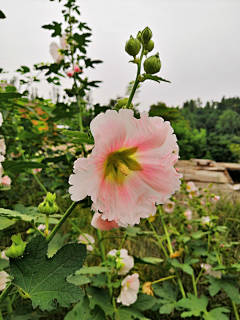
198, 42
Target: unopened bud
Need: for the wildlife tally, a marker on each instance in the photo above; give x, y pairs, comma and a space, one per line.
121, 103
149, 47
152, 64
146, 35
17, 248
133, 46
139, 36
48, 206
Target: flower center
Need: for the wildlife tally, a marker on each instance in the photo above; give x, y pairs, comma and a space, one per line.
119, 165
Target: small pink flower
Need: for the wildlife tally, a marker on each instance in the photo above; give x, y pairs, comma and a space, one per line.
70, 73
130, 169
6, 181
205, 220
169, 206
191, 186
3, 280
77, 69
3, 255
82, 239
176, 169
188, 214
202, 203
222, 246
100, 224
125, 259
130, 287
189, 227
37, 170
185, 203
216, 198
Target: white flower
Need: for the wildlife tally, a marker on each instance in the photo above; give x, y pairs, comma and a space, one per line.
205, 220
130, 287
82, 239
55, 49
168, 206
2, 146
125, 259
3, 255
216, 198
192, 190
208, 270
188, 214
2, 158
1, 119
1, 173
41, 227
3, 280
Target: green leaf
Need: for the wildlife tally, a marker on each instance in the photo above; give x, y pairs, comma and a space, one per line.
199, 234
194, 304
78, 280
3, 264
80, 137
56, 27
12, 214
101, 298
5, 222
217, 313
127, 313
2, 15
100, 280
185, 267
168, 294
93, 270
154, 78
20, 166
55, 244
44, 279
144, 302
227, 284
80, 310
23, 70
148, 260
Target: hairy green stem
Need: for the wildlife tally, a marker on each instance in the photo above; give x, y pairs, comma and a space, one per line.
61, 221
101, 245
199, 275
83, 234
171, 251
163, 279
39, 182
6, 291
235, 310
194, 285
158, 239
136, 81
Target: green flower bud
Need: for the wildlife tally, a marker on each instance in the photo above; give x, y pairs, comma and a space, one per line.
133, 46
48, 206
121, 103
152, 64
146, 35
17, 248
149, 47
139, 36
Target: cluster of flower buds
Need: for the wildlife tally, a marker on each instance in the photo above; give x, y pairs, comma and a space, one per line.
152, 64
76, 69
17, 248
48, 206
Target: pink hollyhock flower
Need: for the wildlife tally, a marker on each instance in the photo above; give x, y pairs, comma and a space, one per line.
3, 280
216, 198
2, 146
130, 168
191, 186
6, 181
202, 202
127, 261
76, 68
70, 73
208, 270
100, 224
130, 287
205, 220
37, 170
82, 239
168, 206
3, 255
188, 214
55, 49
1, 119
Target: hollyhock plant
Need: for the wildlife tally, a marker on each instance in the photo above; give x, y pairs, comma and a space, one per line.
188, 214
126, 260
103, 225
130, 287
55, 49
82, 239
3, 280
131, 167
169, 206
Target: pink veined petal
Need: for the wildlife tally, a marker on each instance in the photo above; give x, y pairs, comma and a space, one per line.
105, 225
54, 50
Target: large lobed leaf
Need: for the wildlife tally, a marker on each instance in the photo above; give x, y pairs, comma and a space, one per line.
42, 279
